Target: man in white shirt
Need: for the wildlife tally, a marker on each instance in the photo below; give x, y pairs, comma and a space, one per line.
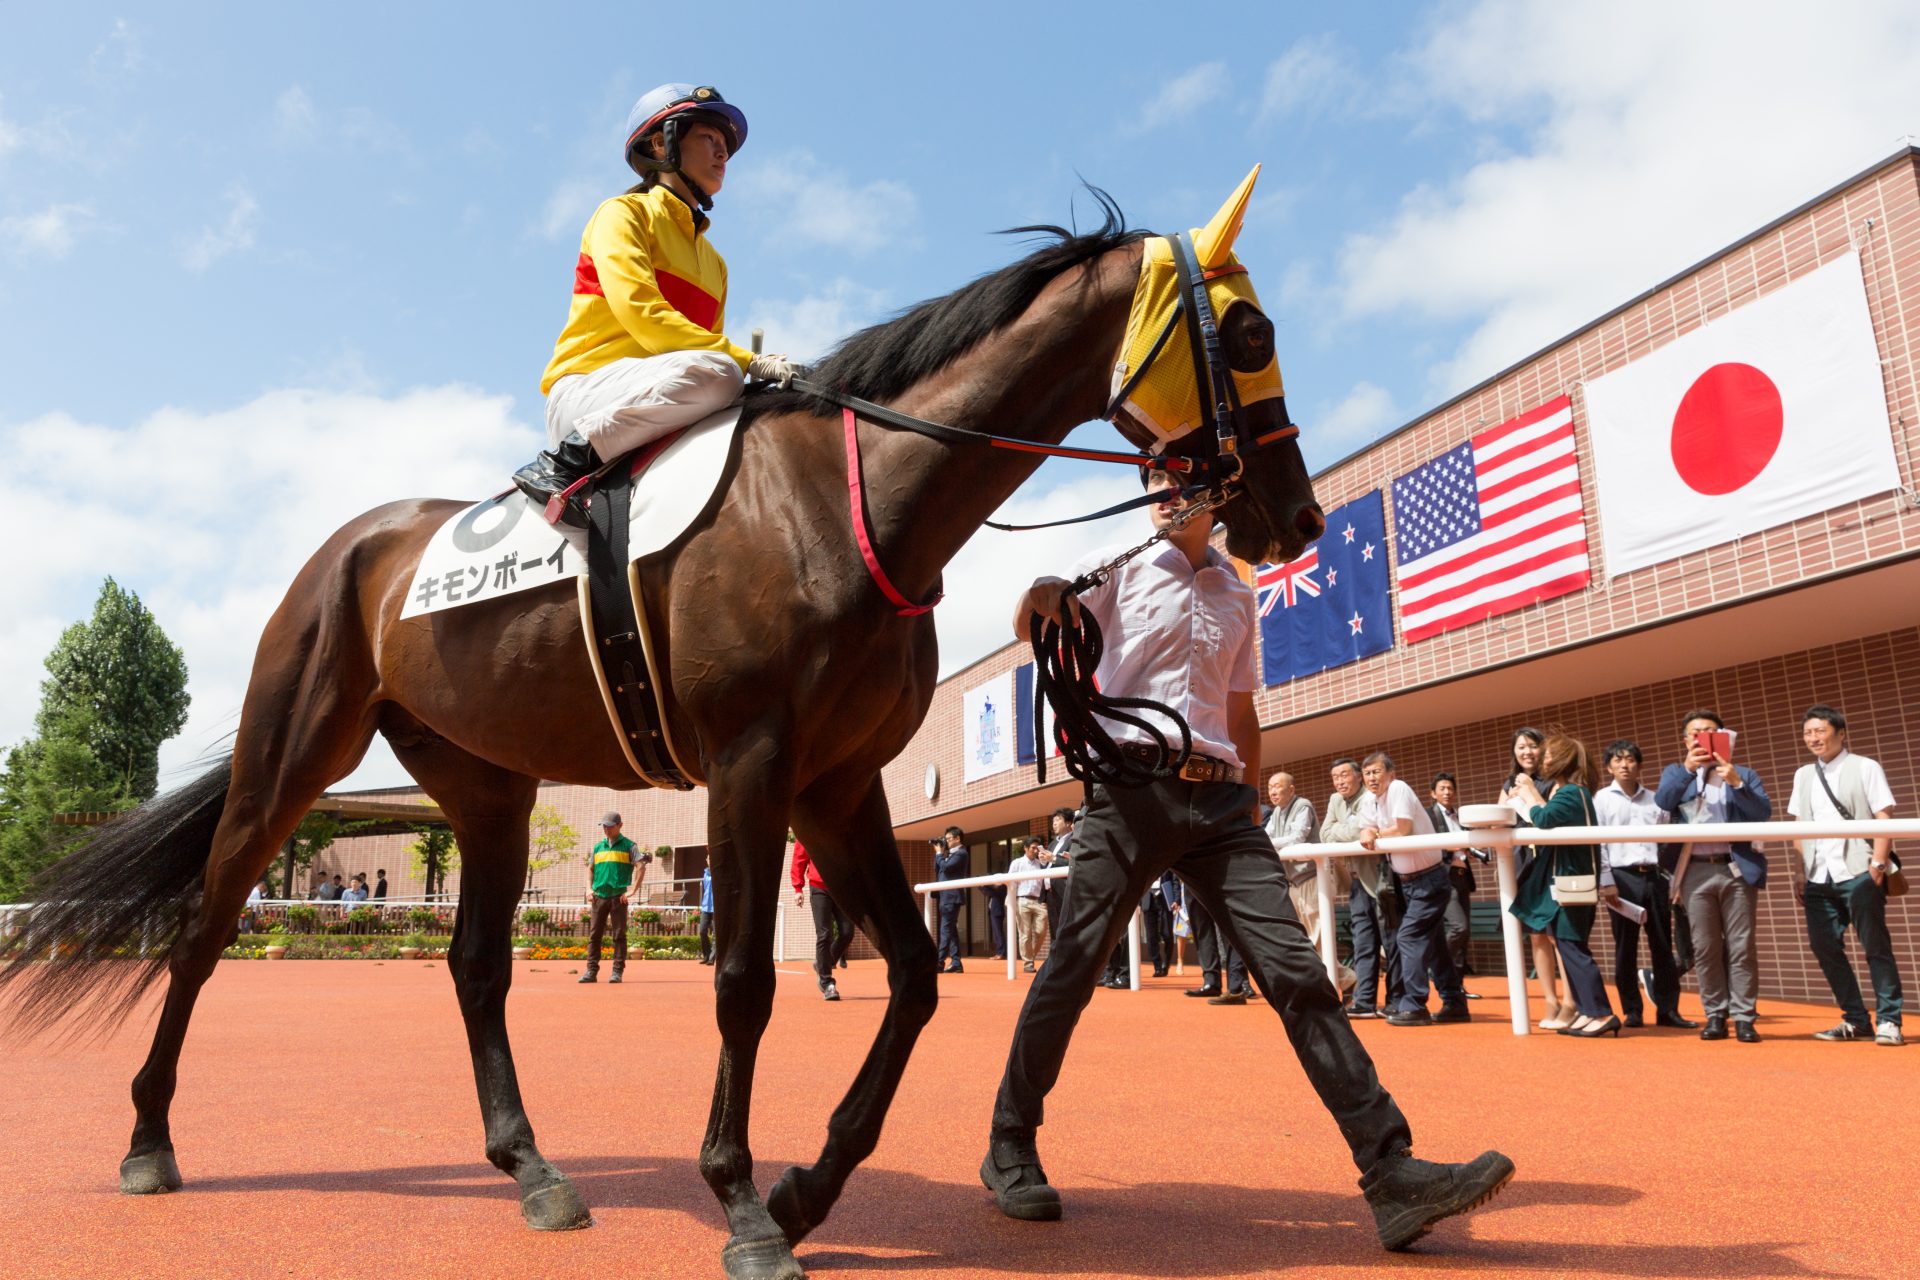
1178, 625
1373, 900
1293, 821
1030, 901
1846, 880
1635, 867
1392, 809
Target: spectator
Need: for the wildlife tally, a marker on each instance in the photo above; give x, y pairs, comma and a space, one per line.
1637, 874
1846, 880
256, 898
996, 895
614, 860
1391, 809
1156, 930
334, 891
1565, 767
1216, 955
1050, 892
1444, 791
380, 885
1718, 882
950, 863
1060, 849
1527, 746
832, 926
1373, 918
706, 915
319, 891
1293, 821
357, 891
1030, 902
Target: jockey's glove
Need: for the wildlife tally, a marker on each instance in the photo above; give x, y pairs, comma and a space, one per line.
772, 368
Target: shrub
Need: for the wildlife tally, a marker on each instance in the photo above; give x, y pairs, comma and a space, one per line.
302, 918
422, 917
647, 917
536, 917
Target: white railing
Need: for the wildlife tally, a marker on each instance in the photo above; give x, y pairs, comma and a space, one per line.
1488, 829
1013, 935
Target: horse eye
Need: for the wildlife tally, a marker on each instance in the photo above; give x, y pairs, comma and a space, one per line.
1247, 336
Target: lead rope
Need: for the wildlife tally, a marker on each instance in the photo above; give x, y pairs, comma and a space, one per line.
1065, 658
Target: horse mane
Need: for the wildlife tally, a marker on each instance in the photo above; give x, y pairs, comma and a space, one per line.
884, 360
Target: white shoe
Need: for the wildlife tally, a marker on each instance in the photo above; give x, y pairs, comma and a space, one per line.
1889, 1034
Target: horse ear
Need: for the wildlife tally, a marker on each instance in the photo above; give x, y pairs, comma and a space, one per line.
1214, 241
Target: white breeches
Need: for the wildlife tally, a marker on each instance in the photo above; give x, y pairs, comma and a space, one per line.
625, 404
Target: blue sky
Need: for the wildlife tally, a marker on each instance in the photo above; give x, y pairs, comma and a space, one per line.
263, 267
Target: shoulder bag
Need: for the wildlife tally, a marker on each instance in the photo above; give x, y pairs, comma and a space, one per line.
1579, 891
1896, 881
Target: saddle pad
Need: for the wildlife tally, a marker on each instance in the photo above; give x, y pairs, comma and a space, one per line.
503, 545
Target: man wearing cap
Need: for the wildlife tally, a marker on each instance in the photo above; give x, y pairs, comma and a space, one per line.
613, 861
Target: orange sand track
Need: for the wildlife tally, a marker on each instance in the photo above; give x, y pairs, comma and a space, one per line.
326, 1126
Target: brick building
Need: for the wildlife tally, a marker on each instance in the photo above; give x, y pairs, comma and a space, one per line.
1823, 608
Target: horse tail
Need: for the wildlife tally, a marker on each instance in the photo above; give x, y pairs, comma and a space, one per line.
105, 917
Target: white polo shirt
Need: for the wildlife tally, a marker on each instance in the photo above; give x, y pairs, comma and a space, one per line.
1615, 808
1175, 635
1381, 812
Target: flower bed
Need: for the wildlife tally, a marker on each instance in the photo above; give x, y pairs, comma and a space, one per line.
253, 946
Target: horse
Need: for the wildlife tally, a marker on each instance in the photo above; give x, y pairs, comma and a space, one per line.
793, 680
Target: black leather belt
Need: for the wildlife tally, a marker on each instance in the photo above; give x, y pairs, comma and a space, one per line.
1642, 869
1713, 857
1198, 768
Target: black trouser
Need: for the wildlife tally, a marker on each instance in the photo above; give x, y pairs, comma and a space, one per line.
1458, 927
950, 904
706, 935
1588, 989
1156, 924
828, 919
1649, 888
603, 910
1207, 941
1863, 904
1375, 924
997, 924
1126, 840
1427, 894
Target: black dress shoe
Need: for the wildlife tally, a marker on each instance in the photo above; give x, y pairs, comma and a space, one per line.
1743, 1032
1716, 1028
1231, 997
1207, 993
1676, 1021
552, 473
1633, 1020
1453, 1011
1408, 1196
1160, 971
1358, 1011
1012, 1172
1414, 1017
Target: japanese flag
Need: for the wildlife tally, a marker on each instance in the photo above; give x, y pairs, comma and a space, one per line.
1771, 413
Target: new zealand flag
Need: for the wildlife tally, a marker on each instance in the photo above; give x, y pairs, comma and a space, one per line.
1331, 606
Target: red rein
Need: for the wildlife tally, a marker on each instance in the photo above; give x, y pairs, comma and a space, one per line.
856, 495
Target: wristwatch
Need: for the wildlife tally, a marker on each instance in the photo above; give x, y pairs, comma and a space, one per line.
1884, 868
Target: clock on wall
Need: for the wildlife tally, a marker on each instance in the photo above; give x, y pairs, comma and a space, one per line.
933, 781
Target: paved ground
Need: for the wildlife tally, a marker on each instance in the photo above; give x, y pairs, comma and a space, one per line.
326, 1126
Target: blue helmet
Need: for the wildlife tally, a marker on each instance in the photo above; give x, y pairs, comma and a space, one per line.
666, 110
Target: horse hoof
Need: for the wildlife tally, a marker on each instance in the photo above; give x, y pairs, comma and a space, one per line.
555, 1207
762, 1259
784, 1204
151, 1174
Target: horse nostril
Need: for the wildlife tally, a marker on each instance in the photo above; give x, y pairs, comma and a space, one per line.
1310, 522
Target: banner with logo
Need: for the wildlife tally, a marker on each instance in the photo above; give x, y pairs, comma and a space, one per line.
987, 723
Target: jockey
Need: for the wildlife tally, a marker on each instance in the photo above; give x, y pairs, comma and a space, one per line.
643, 352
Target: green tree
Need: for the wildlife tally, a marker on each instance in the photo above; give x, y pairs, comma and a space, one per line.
54, 773
548, 839
120, 667
435, 855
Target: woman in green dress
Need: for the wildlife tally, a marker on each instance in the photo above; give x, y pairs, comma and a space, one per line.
1570, 777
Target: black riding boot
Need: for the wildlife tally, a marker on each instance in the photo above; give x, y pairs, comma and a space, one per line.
549, 474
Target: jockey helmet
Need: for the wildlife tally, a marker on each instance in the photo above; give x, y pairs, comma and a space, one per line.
666, 111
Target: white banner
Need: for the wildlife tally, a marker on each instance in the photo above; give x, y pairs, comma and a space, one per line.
1774, 412
987, 720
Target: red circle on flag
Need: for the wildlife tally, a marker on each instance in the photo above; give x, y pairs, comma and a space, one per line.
1727, 428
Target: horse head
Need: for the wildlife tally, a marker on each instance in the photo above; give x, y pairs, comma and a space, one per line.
1166, 389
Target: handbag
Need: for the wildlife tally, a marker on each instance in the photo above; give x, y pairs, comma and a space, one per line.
1579, 891
1896, 882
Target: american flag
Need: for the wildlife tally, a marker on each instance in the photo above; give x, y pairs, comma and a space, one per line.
1277, 583
1492, 525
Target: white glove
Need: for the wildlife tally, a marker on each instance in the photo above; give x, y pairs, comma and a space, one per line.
775, 369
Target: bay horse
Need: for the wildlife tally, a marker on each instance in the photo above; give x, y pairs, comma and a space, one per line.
793, 681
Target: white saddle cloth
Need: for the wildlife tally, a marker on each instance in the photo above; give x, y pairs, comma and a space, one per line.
503, 545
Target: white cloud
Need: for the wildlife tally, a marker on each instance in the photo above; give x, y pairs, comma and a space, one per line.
47, 234
985, 580
1183, 95
1312, 76
299, 122
566, 210
800, 202
212, 548
232, 234
1651, 138
1357, 420
806, 328
119, 51
294, 118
